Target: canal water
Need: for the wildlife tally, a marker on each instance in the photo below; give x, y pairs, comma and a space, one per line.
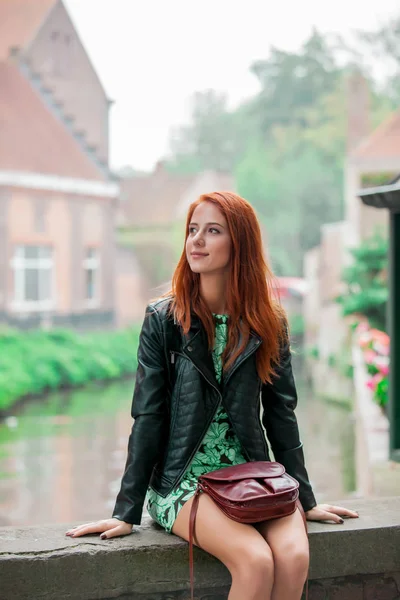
62, 457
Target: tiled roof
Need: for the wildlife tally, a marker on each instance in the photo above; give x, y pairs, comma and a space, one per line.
384, 142
152, 199
19, 21
31, 138
156, 198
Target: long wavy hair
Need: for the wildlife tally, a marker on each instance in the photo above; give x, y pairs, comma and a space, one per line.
251, 302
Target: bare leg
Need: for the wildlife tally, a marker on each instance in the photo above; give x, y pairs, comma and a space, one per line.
288, 541
238, 546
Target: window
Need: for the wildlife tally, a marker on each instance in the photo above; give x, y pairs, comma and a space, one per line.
62, 50
33, 277
91, 266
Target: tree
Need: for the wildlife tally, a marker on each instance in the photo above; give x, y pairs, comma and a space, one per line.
293, 195
208, 142
292, 82
384, 43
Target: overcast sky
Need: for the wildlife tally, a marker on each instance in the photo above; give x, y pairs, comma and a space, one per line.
151, 55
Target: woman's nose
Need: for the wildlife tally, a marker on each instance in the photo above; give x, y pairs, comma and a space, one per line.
198, 240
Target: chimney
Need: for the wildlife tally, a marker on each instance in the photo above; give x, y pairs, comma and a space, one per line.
159, 166
357, 93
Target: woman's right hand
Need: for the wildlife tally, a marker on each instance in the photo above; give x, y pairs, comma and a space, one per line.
108, 528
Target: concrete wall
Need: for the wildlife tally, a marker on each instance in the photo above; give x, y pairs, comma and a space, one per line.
362, 219
323, 268
326, 329
376, 475
359, 560
312, 301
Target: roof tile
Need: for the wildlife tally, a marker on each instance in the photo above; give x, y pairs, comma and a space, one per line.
19, 21
384, 141
31, 138
153, 199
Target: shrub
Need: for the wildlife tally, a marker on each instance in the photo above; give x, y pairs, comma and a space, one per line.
366, 282
38, 361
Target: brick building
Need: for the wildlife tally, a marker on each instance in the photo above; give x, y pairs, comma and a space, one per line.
57, 196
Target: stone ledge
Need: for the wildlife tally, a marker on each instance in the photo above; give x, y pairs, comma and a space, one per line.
42, 563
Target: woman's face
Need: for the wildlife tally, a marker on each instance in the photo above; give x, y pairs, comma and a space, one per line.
208, 246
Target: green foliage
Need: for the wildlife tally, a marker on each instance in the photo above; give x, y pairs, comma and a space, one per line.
296, 325
366, 282
381, 393
332, 361
313, 352
293, 197
209, 141
377, 179
38, 361
292, 82
384, 43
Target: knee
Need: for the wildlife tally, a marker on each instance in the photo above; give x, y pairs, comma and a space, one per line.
255, 564
293, 561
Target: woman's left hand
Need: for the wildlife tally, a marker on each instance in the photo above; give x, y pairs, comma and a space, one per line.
327, 512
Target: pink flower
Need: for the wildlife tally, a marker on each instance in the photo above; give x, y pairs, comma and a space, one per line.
364, 339
369, 357
362, 327
373, 382
384, 370
380, 336
383, 349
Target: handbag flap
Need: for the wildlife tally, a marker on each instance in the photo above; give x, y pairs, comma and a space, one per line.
258, 469
249, 490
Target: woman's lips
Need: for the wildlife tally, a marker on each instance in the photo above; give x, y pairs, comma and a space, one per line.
198, 255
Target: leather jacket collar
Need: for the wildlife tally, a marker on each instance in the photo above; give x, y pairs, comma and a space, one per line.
195, 347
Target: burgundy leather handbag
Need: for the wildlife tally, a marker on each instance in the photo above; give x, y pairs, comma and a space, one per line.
249, 493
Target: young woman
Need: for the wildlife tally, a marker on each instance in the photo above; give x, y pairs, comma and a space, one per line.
214, 375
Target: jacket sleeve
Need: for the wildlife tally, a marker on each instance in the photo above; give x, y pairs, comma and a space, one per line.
149, 410
279, 401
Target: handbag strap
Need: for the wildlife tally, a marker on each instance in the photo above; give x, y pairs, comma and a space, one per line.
192, 520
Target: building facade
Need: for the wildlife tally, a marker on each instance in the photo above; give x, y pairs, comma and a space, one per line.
58, 198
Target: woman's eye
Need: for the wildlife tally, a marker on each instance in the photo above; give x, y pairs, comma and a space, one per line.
191, 229
214, 230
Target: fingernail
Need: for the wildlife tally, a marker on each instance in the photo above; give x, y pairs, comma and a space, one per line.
103, 536
341, 521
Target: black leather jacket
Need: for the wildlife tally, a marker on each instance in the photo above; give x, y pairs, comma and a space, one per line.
175, 399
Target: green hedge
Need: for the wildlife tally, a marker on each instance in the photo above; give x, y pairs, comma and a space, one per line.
35, 362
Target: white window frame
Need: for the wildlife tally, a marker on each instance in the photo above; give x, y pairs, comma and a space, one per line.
19, 264
92, 263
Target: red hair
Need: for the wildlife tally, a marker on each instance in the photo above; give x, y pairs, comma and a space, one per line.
250, 301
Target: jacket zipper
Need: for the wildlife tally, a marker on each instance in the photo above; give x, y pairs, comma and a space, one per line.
245, 357
210, 420
260, 424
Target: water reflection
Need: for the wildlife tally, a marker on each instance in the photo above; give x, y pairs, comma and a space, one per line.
61, 459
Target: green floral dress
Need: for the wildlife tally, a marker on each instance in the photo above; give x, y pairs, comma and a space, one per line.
220, 447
